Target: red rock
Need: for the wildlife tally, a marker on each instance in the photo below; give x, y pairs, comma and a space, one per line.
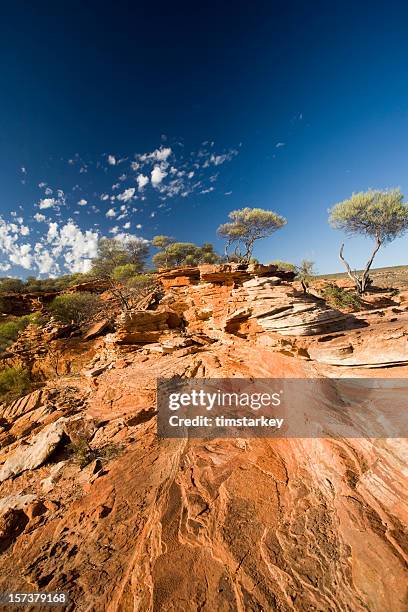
96, 329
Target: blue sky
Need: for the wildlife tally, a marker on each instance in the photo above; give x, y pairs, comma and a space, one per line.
140, 119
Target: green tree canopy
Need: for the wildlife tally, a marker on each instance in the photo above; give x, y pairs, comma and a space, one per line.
380, 215
113, 253
185, 254
162, 242
246, 226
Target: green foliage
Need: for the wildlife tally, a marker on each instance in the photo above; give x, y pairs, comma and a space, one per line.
11, 285
14, 383
83, 454
10, 330
162, 242
125, 272
378, 214
305, 273
246, 226
43, 285
75, 307
340, 298
140, 281
284, 265
112, 254
185, 254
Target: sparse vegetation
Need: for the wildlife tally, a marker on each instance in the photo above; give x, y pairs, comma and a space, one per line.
75, 308
246, 226
14, 383
284, 265
9, 331
11, 285
305, 273
338, 297
43, 285
83, 454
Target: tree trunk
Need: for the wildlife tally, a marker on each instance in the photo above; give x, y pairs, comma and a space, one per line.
365, 277
350, 273
360, 283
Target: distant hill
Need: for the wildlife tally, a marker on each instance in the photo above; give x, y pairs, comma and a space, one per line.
393, 276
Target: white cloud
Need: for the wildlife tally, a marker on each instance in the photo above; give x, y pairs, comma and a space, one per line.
76, 247
157, 175
111, 213
111, 160
159, 155
279, 145
82, 202
47, 203
114, 230
39, 217
52, 231
127, 225
21, 256
45, 262
138, 226
163, 153
18, 254
104, 196
142, 181
126, 195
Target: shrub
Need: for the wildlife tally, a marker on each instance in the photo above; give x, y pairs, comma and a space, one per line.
284, 265
11, 285
340, 298
83, 454
14, 383
75, 307
10, 330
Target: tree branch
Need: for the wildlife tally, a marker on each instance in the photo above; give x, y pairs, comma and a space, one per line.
351, 274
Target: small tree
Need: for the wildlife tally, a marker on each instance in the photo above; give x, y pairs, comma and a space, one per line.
208, 255
162, 243
114, 255
305, 273
185, 254
246, 226
380, 215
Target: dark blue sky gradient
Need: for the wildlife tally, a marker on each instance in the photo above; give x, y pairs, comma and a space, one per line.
327, 79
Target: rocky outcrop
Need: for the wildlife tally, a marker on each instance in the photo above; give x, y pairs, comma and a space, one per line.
387, 346
247, 303
142, 326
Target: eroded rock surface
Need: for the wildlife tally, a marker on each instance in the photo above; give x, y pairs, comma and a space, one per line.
94, 503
